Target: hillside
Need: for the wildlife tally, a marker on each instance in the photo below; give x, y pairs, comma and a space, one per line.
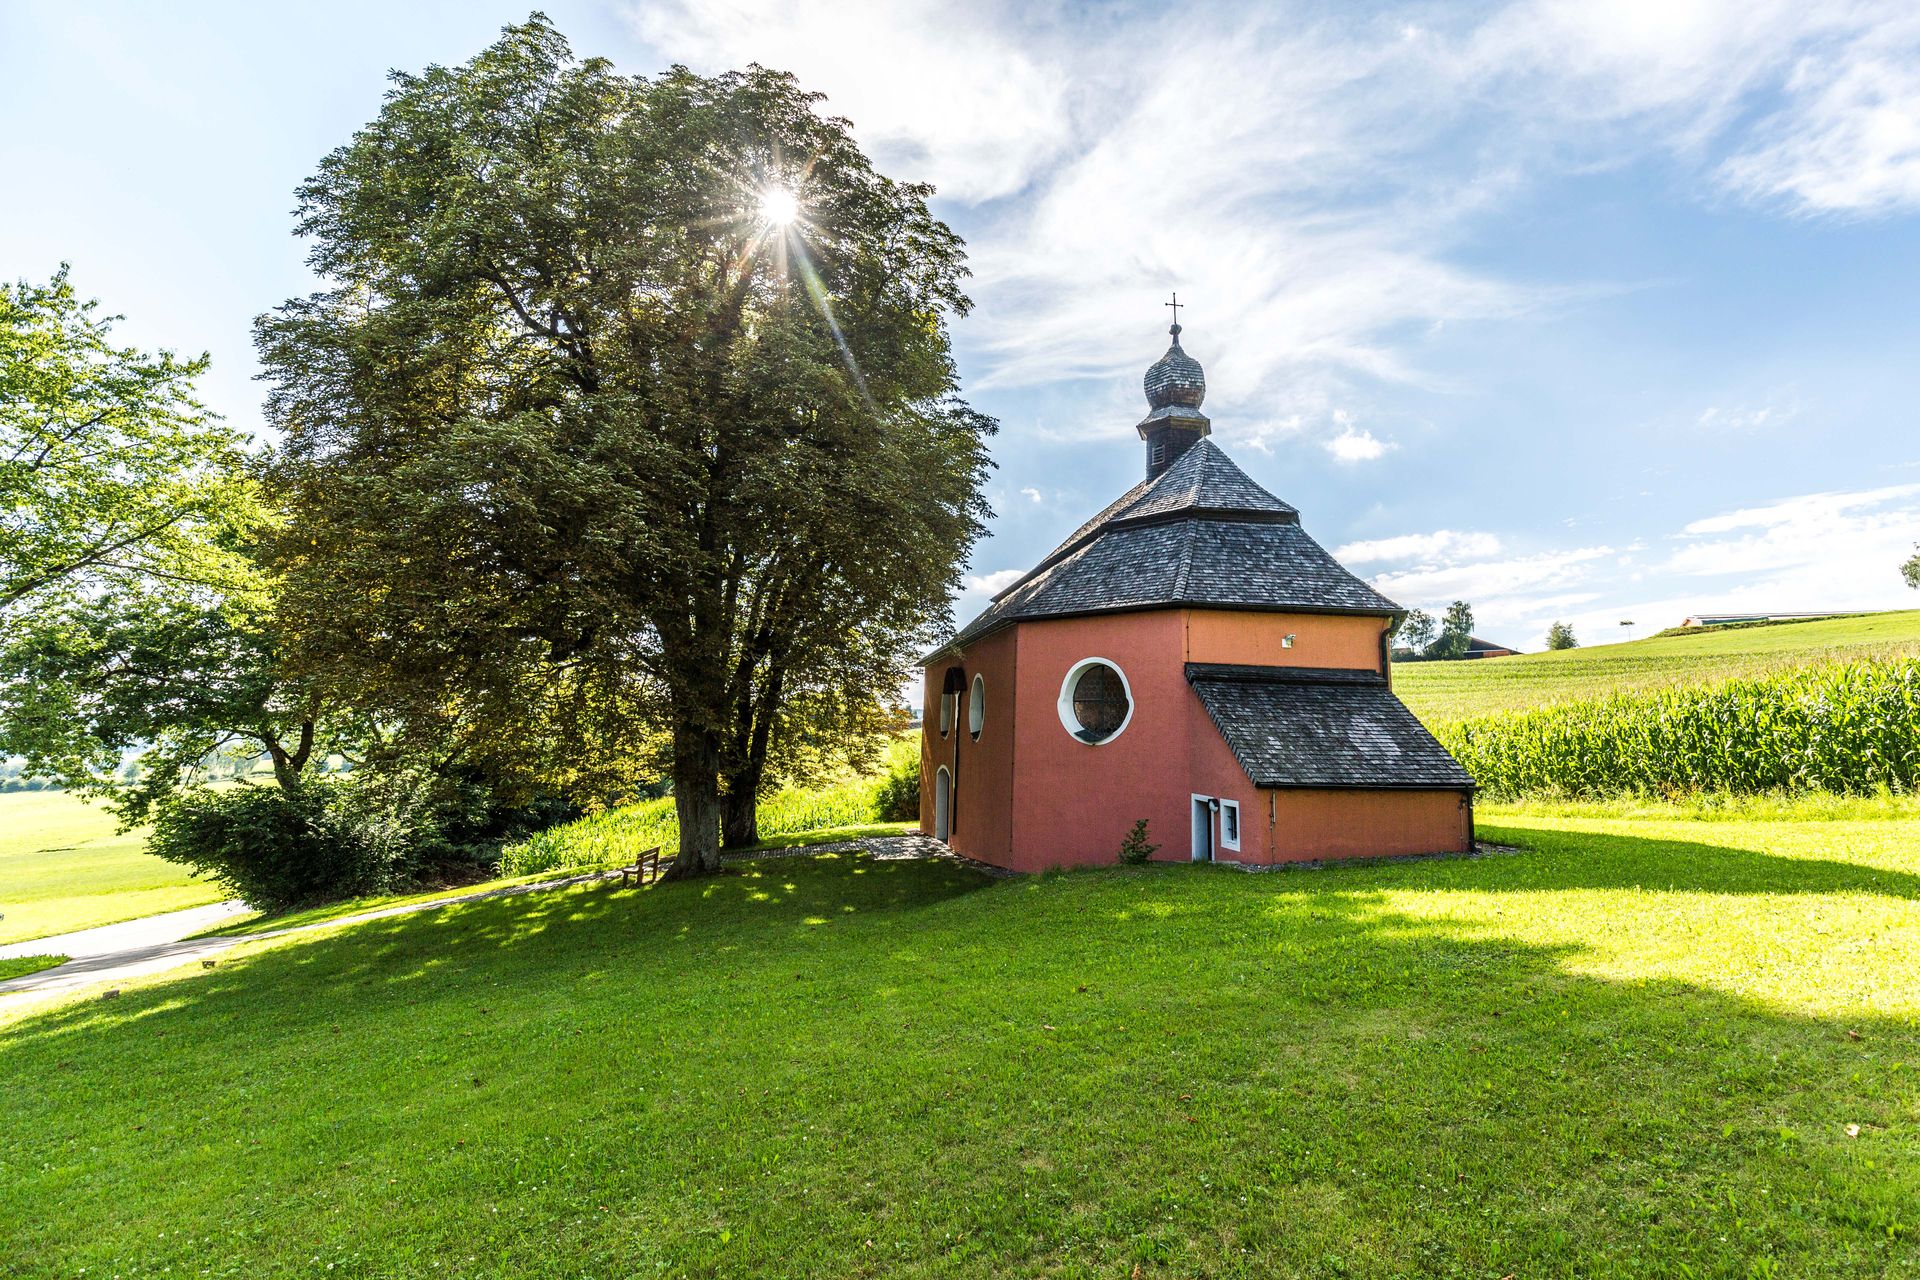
1533, 1065
64, 866
1443, 691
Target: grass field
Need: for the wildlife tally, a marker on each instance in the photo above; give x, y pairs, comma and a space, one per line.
63, 867
1444, 691
1668, 1041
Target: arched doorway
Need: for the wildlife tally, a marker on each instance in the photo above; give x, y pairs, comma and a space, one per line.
942, 803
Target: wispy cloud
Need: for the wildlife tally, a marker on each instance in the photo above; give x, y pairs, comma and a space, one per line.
1301, 179
1447, 545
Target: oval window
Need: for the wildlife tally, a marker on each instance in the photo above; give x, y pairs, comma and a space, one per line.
977, 707
1095, 702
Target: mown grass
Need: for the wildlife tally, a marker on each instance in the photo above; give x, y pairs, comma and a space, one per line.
1439, 692
64, 867
1635, 1048
21, 966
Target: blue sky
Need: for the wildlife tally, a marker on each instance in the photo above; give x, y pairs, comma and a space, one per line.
1572, 310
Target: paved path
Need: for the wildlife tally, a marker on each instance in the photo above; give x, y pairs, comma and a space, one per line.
148, 945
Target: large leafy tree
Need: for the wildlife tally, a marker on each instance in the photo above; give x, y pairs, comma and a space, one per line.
630, 409
111, 470
181, 676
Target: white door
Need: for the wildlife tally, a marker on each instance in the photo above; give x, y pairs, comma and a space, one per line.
942, 803
1203, 828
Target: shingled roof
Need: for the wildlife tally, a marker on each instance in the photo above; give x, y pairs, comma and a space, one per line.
1201, 534
1322, 728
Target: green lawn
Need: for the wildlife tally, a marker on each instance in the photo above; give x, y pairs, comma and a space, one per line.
63, 867
1635, 1048
21, 966
1443, 691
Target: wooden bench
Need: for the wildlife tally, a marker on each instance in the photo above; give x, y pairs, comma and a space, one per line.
646, 868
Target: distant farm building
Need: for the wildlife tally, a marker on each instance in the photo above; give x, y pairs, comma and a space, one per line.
1731, 619
1478, 648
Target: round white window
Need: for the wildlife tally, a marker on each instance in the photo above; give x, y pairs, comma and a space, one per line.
1095, 702
977, 707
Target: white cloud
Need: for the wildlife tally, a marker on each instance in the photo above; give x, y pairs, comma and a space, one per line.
1807, 513
1746, 418
1303, 182
1429, 587
969, 101
1442, 544
1850, 140
1032, 493
1358, 446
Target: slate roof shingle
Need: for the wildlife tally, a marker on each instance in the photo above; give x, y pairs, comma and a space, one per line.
1293, 727
1201, 533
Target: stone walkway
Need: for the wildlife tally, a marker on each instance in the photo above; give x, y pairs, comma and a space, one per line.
134, 948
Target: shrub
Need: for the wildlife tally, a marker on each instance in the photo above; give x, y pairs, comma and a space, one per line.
333, 837
897, 797
1134, 847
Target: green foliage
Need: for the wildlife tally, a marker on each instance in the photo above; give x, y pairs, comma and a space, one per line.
1135, 849
581, 454
1560, 636
1849, 727
1415, 631
189, 680
1910, 570
897, 795
324, 839
615, 836
1456, 632
111, 471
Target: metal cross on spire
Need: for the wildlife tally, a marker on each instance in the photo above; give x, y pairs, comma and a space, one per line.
1175, 304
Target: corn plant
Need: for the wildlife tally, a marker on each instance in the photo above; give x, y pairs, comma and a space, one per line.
1850, 727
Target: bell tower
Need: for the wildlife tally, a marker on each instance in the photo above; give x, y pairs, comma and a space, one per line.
1175, 387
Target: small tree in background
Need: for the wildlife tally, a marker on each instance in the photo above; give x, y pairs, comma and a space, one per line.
1415, 631
1456, 631
1911, 569
1560, 636
1135, 848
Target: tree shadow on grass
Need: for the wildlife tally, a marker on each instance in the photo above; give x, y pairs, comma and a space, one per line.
1559, 859
1172, 1070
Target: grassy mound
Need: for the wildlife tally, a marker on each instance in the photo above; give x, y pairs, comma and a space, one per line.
1639, 1048
1441, 692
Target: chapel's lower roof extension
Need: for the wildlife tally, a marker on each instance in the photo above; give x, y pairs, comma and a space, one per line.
1320, 728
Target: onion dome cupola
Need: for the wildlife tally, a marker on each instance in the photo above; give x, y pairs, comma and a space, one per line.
1175, 385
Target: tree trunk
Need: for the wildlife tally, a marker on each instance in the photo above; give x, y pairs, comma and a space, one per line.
740, 819
696, 799
741, 826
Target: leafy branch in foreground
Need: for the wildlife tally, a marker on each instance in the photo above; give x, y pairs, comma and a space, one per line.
111, 470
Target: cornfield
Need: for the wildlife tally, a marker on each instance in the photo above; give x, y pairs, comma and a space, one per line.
1848, 727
